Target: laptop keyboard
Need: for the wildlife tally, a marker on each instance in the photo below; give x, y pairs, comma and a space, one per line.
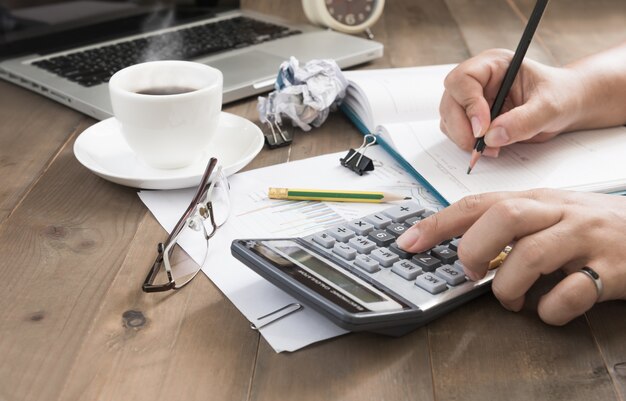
96, 65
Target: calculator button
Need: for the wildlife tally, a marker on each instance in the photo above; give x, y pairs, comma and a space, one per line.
412, 220
400, 252
384, 256
362, 244
427, 213
379, 220
345, 251
431, 283
340, 233
445, 254
406, 269
366, 263
381, 237
454, 244
450, 274
324, 240
360, 227
426, 262
403, 211
459, 266
396, 229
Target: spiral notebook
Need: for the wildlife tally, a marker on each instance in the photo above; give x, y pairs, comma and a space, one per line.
400, 106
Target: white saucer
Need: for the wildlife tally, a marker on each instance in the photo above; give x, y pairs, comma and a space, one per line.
102, 149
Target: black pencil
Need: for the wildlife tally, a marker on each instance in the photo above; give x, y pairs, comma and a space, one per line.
510, 75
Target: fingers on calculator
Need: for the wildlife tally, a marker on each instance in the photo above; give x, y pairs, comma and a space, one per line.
369, 244
355, 274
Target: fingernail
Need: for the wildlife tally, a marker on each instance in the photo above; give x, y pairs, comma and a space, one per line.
408, 238
472, 276
497, 137
491, 152
476, 127
513, 306
506, 306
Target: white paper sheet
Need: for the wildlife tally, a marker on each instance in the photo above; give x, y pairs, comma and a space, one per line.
591, 160
255, 216
395, 95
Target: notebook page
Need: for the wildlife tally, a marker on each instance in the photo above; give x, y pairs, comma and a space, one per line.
585, 160
396, 94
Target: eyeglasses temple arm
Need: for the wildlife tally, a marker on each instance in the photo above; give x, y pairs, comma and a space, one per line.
147, 283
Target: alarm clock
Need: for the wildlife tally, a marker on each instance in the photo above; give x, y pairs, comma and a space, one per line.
349, 16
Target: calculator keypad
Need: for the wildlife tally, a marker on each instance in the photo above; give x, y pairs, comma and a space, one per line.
426, 262
379, 220
446, 255
431, 283
412, 220
399, 213
362, 244
382, 237
450, 274
324, 239
454, 244
341, 233
396, 229
366, 263
384, 256
400, 252
368, 247
345, 251
361, 227
406, 269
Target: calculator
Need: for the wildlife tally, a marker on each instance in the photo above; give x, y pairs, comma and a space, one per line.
355, 274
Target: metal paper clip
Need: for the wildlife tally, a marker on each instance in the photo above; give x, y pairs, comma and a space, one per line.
275, 315
361, 163
274, 140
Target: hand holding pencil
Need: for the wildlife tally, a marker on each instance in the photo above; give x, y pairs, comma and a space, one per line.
542, 102
510, 75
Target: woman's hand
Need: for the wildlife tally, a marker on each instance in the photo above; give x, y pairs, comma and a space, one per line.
549, 230
543, 102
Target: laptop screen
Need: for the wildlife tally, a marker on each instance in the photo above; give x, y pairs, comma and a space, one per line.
47, 26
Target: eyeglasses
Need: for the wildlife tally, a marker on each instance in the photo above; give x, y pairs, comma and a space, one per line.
208, 210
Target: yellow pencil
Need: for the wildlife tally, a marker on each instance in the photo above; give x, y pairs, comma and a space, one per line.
333, 195
500, 258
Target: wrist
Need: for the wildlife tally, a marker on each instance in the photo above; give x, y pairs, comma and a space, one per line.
601, 84
581, 109
566, 95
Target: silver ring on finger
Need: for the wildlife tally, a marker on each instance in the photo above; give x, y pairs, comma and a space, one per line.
595, 277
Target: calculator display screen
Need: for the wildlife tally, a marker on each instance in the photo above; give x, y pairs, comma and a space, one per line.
330, 274
322, 277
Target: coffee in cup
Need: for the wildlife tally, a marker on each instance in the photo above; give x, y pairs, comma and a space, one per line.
168, 110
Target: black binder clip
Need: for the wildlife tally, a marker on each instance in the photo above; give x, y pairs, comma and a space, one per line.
276, 137
361, 163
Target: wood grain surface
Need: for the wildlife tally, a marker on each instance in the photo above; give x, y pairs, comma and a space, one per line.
75, 325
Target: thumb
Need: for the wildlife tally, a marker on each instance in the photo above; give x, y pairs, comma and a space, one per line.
519, 124
477, 111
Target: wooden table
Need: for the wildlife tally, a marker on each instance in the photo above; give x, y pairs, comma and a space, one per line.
74, 324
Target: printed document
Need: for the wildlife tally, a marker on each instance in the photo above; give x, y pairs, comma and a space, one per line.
254, 215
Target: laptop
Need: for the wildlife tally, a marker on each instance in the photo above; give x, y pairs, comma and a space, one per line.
68, 50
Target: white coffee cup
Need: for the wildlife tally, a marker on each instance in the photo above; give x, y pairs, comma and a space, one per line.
170, 130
